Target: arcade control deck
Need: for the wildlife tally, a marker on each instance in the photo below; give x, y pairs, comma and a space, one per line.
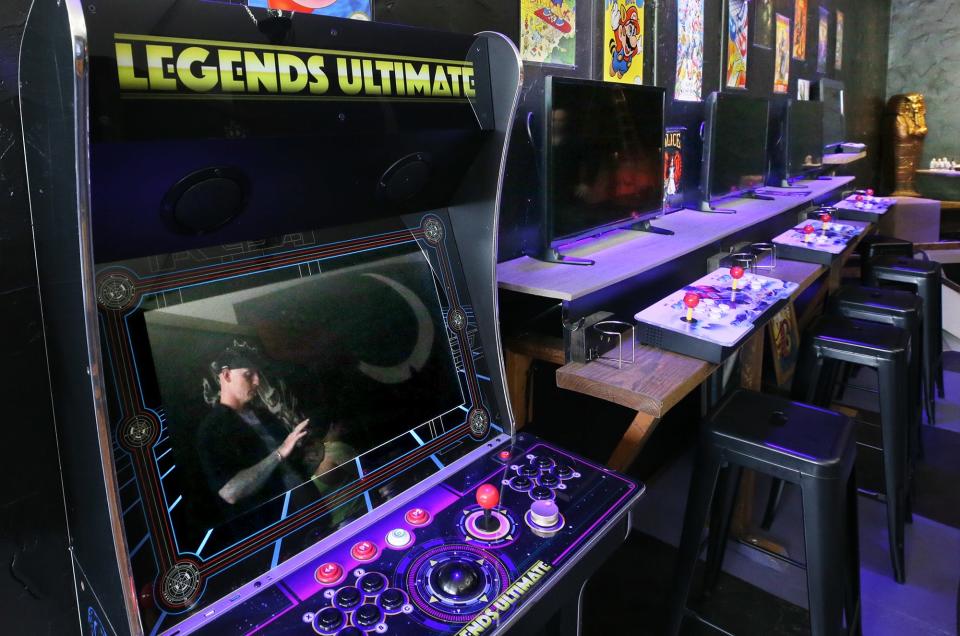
863, 206
811, 242
466, 556
709, 319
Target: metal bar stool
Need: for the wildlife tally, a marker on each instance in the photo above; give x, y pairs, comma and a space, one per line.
924, 277
801, 444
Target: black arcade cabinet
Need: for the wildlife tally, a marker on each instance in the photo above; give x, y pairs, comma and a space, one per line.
266, 247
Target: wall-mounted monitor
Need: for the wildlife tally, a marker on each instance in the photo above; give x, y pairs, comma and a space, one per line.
734, 146
830, 92
801, 141
601, 159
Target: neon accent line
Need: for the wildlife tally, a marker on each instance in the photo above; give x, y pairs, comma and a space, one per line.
359, 467
366, 497
139, 545
156, 627
160, 456
130, 507
463, 408
174, 504
495, 427
483, 377
164, 475
437, 462
203, 543
416, 437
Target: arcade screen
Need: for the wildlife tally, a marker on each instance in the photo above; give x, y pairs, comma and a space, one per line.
355, 346
605, 149
736, 144
830, 92
803, 137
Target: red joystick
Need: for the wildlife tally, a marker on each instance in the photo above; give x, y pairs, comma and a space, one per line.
691, 300
328, 573
869, 192
826, 217
488, 497
859, 197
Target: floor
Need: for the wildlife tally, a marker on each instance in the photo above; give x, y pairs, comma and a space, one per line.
761, 595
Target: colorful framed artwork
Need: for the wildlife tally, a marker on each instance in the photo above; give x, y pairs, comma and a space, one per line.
548, 31
784, 344
822, 40
763, 30
838, 56
356, 9
689, 83
781, 64
737, 22
673, 168
800, 29
622, 41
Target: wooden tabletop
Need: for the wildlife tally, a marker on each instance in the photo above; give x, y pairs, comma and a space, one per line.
842, 158
623, 254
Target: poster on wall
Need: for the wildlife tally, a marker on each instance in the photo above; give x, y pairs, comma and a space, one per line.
781, 65
689, 51
356, 9
548, 31
622, 41
838, 59
763, 31
673, 168
822, 40
785, 344
737, 43
800, 29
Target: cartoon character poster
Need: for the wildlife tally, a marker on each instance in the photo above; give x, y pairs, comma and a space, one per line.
763, 32
689, 51
622, 41
781, 66
673, 168
356, 9
838, 59
737, 43
822, 40
800, 29
548, 31
785, 343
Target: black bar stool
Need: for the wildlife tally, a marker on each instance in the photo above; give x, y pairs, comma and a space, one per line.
811, 447
924, 277
875, 246
834, 339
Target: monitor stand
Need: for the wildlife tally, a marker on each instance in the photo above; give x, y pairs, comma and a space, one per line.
787, 184
706, 207
551, 255
645, 226
759, 197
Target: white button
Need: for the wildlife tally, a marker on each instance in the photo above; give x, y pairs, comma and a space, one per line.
398, 538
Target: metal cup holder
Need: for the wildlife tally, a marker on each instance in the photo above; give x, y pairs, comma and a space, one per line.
613, 332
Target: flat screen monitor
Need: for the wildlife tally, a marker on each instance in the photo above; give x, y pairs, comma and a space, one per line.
802, 139
735, 145
604, 153
830, 92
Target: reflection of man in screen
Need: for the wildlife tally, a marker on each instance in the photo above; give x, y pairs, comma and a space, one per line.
245, 452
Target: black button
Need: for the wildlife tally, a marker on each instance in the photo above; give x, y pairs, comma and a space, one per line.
548, 480
372, 582
541, 492
329, 619
563, 472
520, 483
543, 463
348, 597
458, 578
391, 599
528, 470
367, 615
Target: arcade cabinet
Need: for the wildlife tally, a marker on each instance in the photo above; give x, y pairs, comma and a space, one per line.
266, 247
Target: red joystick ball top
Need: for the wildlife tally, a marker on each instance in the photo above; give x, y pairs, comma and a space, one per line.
825, 217
737, 272
869, 192
808, 229
504, 455
488, 496
859, 197
329, 573
691, 300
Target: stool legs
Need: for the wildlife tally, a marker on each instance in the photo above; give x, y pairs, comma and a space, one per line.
893, 422
852, 600
824, 533
702, 486
727, 490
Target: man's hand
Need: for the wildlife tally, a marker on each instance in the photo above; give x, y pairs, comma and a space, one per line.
298, 433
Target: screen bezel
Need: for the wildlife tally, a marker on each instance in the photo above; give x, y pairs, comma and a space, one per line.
822, 86
550, 82
709, 146
789, 174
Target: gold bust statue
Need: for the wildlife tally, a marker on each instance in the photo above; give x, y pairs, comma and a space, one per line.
906, 128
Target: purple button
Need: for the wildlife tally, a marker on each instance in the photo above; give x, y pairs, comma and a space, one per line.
544, 513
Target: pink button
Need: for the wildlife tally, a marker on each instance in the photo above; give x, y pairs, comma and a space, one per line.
417, 517
504, 455
328, 573
363, 551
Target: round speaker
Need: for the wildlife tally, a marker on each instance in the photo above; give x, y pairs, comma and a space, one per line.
406, 178
205, 200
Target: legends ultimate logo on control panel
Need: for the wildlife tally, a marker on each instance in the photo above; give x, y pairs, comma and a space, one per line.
502, 604
166, 67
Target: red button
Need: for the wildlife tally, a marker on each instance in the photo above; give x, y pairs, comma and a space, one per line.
328, 573
504, 455
417, 517
363, 551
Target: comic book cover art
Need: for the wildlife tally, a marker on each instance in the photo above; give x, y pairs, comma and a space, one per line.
838, 60
622, 41
763, 32
737, 43
822, 40
548, 31
781, 66
689, 51
356, 9
784, 343
800, 29
673, 168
